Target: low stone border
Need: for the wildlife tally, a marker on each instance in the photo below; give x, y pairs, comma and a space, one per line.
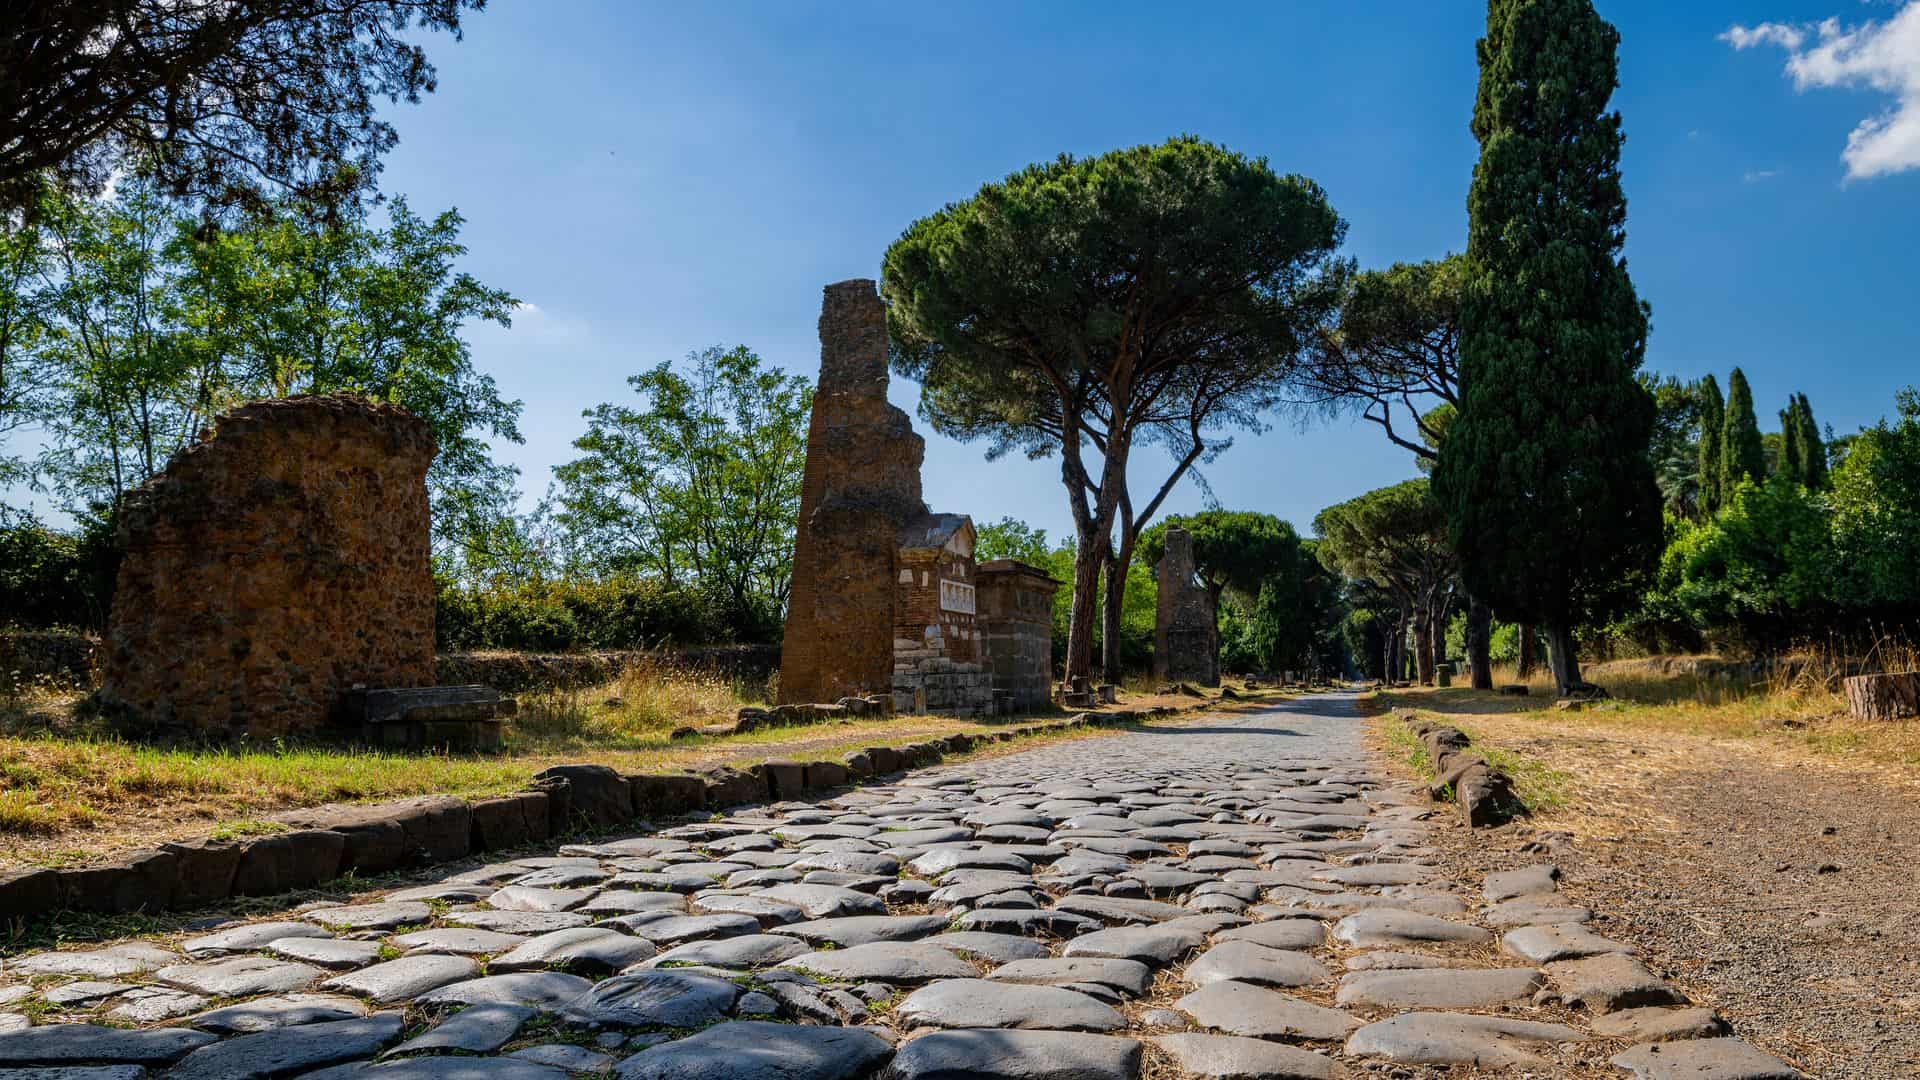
326, 842
1484, 794
28, 656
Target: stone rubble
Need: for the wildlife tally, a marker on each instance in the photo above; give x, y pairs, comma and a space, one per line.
1223, 902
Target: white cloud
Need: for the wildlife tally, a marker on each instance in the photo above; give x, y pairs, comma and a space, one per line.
1882, 56
1755, 176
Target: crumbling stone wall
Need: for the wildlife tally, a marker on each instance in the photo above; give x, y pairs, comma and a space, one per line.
274, 565
1184, 626
1015, 606
860, 487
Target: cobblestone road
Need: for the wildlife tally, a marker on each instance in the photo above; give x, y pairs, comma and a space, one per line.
1236, 896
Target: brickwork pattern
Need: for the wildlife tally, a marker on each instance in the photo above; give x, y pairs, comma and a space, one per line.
275, 564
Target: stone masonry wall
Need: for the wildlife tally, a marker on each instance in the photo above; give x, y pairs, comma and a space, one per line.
278, 562
937, 661
860, 486
1183, 636
1015, 603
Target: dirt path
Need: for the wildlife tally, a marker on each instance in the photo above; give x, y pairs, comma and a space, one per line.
1781, 888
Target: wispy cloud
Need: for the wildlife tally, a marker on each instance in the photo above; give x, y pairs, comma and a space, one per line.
1755, 176
1874, 55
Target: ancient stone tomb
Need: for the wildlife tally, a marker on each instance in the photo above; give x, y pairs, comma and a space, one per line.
1184, 648
886, 595
273, 566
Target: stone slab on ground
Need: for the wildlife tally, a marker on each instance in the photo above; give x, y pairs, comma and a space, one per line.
1459, 1039
1704, 1059
1015, 1055
1234, 1057
758, 1050
980, 1003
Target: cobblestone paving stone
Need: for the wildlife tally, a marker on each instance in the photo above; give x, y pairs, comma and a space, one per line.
1241, 895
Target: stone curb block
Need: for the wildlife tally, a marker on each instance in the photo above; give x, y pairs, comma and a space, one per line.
1484, 794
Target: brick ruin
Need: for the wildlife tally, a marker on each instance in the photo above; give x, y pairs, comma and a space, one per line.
276, 564
885, 593
1184, 646
1015, 603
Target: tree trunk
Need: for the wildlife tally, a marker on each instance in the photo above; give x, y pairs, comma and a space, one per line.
1115, 595
1479, 645
1423, 642
1566, 666
1439, 624
1527, 661
1086, 589
1894, 696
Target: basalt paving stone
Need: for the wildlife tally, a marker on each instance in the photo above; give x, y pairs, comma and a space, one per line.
561, 877
849, 862
79, 1044
768, 912
1119, 910
240, 976
979, 1003
745, 952
897, 962
1525, 881
1391, 926
1457, 988
1654, 1024
1536, 911
669, 928
566, 1056
481, 1029
1390, 960
588, 950
758, 1050
336, 953
1234, 1057
249, 937
85, 992
371, 916
631, 901
290, 1050
153, 1006
1015, 1055
1279, 934
525, 898
1242, 1009
1126, 976
853, 930
544, 990
1030, 922
650, 999
1157, 945
1431, 1038
77, 1072
267, 1013
825, 901
1244, 961
1570, 941
403, 979
458, 941
944, 860
440, 1068
1704, 1059
996, 948
518, 922
1609, 983
451, 892
112, 962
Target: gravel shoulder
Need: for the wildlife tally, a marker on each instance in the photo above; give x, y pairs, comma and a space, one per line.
1779, 886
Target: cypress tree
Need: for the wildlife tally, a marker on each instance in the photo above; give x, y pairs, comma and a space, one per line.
1550, 498
1813, 449
1713, 409
1791, 467
1742, 455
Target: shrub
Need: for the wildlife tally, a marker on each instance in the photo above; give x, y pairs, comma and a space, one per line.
564, 615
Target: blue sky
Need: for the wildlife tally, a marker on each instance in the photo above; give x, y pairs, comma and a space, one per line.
656, 178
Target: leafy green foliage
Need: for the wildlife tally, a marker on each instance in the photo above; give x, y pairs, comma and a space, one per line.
225, 99
620, 611
1549, 496
50, 578
1743, 456
1713, 416
148, 320
698, 486
1232, 549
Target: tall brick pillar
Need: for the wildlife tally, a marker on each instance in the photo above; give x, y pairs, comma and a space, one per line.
1184, 629
860, 487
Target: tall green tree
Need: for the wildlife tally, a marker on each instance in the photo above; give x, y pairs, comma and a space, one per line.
1232, 549
1743, 455
1157, 295
1713, 414
1812, 470
1550, 499
225, 100
699, 485
1792, 464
